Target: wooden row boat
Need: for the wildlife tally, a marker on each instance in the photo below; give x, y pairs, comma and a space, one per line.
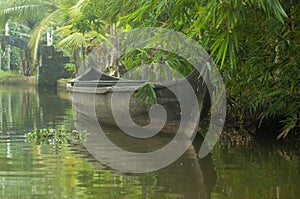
94, 94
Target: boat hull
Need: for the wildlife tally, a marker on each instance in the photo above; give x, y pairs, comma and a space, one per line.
99, 102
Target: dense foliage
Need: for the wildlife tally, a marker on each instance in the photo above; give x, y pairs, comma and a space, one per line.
39, 15
255, 43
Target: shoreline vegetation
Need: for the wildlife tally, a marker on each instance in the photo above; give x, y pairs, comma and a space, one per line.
18, 80
233, 133
12, 78
255, 44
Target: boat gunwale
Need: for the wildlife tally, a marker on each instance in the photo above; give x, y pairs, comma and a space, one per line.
94, 88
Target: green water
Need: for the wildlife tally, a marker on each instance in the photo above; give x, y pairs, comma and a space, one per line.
69, 171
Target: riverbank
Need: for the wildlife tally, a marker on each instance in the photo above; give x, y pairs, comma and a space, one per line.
62, 84
233, 133
18, 80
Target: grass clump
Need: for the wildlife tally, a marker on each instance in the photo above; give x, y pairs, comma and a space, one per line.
7, 74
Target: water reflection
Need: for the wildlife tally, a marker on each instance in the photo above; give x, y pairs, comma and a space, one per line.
257, 171
26, 108
70, 171
187, 177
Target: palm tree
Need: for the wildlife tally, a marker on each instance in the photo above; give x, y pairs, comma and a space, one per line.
85, 30
37, 14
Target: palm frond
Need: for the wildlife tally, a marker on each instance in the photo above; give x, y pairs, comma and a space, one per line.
73, 41
37, 33
20, 10
75, 10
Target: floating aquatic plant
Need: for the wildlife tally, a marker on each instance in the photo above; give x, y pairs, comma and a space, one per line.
56, 136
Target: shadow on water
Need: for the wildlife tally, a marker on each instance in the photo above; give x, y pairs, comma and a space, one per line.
187, 177
259, 170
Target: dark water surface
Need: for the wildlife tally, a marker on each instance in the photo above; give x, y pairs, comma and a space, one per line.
68, 171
